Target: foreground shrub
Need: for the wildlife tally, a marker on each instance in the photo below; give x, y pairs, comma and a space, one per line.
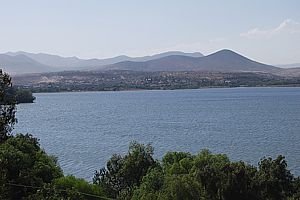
124, 173
69, 188
214, 177
81, 186
23, 162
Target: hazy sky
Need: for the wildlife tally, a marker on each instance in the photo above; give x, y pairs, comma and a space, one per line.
264, 30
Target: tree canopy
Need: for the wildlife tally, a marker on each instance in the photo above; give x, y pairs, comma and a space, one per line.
7, 106
24, 96
23, 162
214, 177
124, 173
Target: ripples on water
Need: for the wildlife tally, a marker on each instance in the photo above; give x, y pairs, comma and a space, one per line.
84, 129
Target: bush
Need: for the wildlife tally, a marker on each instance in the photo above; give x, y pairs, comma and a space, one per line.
80, 186
23, 162
124, 173
213, 176
24, 96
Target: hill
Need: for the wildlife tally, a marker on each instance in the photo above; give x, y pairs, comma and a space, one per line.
20, 64
293, 65
289, 72
224, 60
59, 63
51, 60
221, 61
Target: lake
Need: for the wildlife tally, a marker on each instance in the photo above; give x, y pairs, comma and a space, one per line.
83, 129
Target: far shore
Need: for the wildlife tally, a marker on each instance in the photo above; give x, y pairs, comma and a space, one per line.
137, 89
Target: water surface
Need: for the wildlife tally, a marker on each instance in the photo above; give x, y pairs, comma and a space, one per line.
84, 129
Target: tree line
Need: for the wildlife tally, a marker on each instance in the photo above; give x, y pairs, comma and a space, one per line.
28, 172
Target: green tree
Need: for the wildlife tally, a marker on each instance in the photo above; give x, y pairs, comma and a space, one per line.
151, 186
239, 183
208, 170
182, 187
123, 173
274, 179
24, 96
296, 189
81, 186
7, 107
23, 162
69, 188
177, 162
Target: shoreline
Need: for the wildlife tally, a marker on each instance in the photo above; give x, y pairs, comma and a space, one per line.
137, 90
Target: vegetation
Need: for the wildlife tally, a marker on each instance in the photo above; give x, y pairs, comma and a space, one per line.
137, 175
124, 173
23, 162
27, 172
133, 80
7, 107
70, 187
209, 176
24, 96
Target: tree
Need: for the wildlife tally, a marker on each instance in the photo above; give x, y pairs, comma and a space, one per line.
158, 185
209, 171
239, 183
296, 189
182, 187
274, 179
151, 186
123, 173
7, 107
23, 162
69, 188
177, 162
24, 96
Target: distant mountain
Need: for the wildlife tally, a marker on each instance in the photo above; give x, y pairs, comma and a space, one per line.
21, 64
71, 63
221, 61
288, 72
50, 60
293, 65
224, 60
169, 53
68, 63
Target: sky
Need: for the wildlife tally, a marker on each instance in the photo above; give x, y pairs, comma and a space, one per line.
267, 31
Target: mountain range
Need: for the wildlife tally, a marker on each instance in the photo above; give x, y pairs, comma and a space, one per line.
223, 61
15, 62
20, 64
